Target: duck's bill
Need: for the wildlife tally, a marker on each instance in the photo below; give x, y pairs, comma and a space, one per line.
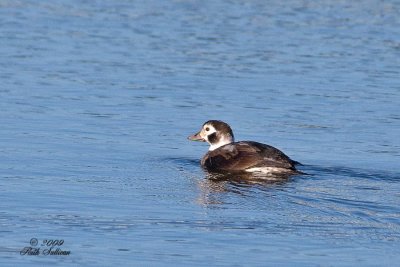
196, 137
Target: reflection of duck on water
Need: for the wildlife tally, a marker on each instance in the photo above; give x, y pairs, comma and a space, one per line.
227, 156
217, 188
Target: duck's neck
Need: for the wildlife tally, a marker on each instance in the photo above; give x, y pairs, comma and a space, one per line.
224, 140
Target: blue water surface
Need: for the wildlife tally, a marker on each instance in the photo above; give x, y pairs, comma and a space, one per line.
97, 98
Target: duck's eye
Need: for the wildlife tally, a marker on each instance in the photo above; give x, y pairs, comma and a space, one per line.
207, 129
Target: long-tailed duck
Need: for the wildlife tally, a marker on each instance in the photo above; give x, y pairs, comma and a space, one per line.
226, 155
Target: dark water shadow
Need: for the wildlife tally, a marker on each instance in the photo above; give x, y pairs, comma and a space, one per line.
249, 178
314, 170
216, 190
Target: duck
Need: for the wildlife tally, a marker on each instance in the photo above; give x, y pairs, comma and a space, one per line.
227, 156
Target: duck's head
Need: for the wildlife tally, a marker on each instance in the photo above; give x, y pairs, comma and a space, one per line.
216, 133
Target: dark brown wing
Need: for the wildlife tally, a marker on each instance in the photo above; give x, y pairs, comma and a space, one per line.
243, 155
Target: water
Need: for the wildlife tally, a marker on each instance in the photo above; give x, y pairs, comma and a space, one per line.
97, 99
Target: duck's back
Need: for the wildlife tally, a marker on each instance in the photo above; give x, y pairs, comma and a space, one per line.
246, 155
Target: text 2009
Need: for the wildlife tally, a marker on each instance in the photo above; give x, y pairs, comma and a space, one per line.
52, 243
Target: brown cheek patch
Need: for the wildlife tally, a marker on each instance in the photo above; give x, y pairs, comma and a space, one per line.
212, 138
